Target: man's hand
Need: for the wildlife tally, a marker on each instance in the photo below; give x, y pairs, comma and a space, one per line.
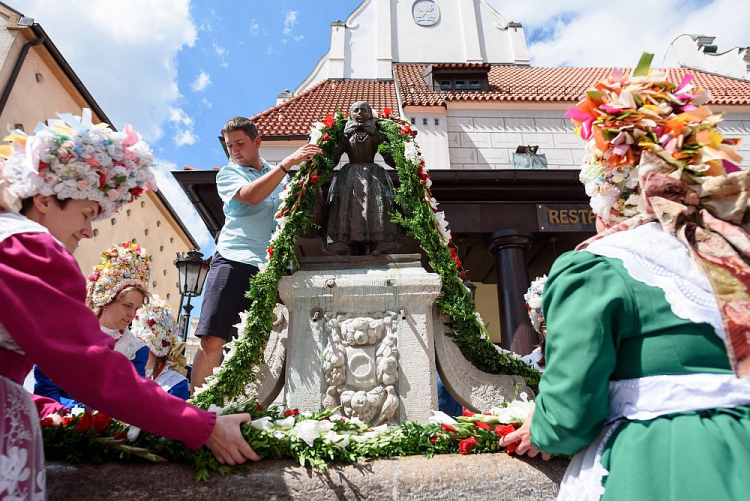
523, 434
304, 153
227, 443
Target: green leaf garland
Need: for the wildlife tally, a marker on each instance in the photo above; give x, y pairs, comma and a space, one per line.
418, 217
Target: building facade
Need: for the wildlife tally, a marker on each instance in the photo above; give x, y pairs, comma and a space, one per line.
460, 73
35, 83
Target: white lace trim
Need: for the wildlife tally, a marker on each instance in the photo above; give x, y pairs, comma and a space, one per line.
127, 344
650, 397
115, 334
686, 289
644, 399
22, 468
168, 379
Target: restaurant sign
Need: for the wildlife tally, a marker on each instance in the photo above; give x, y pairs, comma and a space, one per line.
565, 217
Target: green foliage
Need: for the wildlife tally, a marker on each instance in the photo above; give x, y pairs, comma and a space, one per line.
417, 218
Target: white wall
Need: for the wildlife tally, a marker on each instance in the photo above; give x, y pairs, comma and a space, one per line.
432, 137
687, 50
486, 139
379, 32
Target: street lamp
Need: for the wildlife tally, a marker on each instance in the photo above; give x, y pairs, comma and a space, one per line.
192, 270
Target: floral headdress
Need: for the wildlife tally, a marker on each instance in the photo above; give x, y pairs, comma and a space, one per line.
533, 299
121, 266
624, 116
155, 326
72, 158
654, 153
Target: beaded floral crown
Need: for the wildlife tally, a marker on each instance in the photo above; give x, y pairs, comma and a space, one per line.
624, 116
533, 299
73, 158
121, 266
155, 326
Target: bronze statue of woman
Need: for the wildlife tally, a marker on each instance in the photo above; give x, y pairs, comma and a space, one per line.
361, 196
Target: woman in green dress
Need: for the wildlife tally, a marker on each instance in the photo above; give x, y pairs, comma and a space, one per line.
648, 323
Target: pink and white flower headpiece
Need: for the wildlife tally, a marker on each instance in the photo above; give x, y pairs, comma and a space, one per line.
73, 158
155, 326
121, 266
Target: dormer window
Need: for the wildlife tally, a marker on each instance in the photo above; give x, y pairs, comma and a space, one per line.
458, 77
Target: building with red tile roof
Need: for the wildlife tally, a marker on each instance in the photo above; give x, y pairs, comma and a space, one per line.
460, 73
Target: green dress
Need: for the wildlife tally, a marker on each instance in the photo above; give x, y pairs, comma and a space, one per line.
604, 326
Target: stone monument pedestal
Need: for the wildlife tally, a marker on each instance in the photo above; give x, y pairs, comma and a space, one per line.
360, 336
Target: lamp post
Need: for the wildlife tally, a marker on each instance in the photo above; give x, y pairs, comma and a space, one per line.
192, 270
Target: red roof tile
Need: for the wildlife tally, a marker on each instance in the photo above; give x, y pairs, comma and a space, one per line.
507, 83
296, 116
529, 83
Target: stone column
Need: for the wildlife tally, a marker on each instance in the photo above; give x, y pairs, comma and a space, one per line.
509, 248
361, 337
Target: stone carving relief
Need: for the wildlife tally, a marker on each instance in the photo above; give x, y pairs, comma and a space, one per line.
360, 366
270, 375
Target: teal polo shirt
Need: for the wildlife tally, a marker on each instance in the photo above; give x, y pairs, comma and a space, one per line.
247, 228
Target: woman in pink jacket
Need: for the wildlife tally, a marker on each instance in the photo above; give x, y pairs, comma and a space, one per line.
53, 186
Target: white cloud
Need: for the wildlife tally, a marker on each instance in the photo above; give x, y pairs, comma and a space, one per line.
183, 126
184, 137
200, 83
254, 27
594, 33
222, 53
207, 103
271, 50
290, 20
179, 201
128, 64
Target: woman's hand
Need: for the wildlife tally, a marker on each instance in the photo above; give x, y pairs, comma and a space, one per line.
227, 443
523, 434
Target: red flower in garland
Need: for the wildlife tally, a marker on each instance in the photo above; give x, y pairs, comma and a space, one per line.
47, 422
433, 439
151, 322
503, 429
260, 407
137, 191
467, 413
100, 422
448, 428
291, 412
326, 137
482, 425
84, 423
511, 448
270, 255
387, 112
467, 445
314, 179
329, 120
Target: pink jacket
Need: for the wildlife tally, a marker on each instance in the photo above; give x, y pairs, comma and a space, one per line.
42, 295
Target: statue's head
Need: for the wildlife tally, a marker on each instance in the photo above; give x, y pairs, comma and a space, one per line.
360, 112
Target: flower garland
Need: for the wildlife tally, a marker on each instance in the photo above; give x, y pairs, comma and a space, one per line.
313, 439
423, 221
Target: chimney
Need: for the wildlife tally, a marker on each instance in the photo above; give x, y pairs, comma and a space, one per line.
284, 96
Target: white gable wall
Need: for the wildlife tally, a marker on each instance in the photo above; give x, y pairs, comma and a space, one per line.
381, 32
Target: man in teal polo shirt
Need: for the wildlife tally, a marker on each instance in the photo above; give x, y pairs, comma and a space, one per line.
249, 188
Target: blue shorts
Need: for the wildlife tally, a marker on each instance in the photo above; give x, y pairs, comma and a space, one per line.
224, 297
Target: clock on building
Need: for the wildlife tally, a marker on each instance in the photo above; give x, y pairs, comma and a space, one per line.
425, 12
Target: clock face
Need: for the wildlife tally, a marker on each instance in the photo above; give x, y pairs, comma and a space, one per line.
425, 12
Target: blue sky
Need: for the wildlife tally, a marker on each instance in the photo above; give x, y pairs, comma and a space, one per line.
178, 69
